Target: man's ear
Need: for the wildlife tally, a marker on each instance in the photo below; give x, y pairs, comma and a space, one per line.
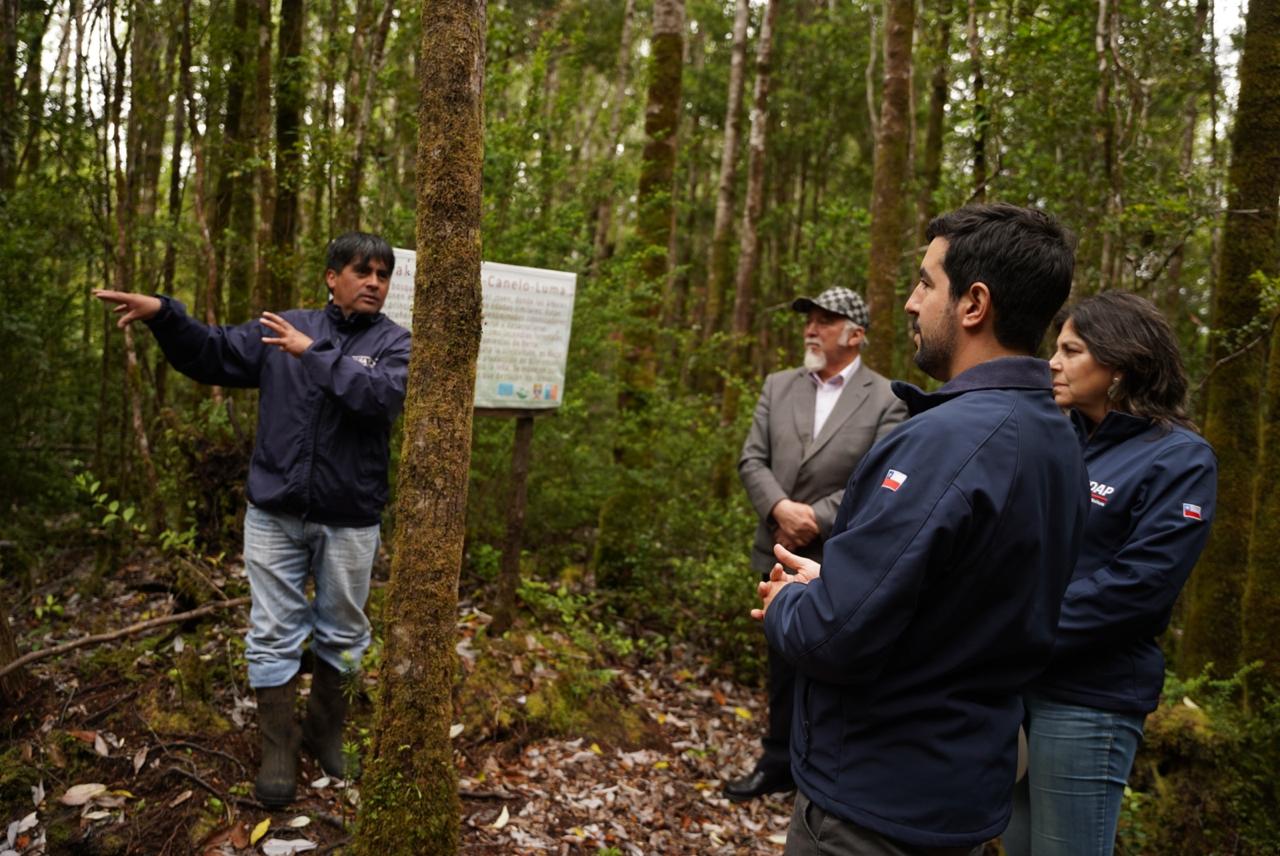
974, 306
330, 277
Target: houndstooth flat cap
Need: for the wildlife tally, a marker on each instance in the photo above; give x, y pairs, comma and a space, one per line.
839, 300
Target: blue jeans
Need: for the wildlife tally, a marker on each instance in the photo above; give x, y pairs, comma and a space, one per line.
1078, 762
280, 552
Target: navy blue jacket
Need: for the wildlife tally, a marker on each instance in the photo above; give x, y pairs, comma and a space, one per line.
1153, 491
936, 605
324, 419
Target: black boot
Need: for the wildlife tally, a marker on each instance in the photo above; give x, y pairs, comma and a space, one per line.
277, 782
326, 714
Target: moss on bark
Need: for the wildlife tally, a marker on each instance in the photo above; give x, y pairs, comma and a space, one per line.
1213, 632
409, 791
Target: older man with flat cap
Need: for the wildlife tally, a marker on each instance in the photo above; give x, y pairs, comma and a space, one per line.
812, 425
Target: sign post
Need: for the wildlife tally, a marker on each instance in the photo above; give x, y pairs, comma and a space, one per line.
524, 345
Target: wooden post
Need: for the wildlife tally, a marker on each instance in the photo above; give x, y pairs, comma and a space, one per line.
509, 575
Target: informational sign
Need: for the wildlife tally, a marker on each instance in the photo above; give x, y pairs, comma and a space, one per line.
525, 339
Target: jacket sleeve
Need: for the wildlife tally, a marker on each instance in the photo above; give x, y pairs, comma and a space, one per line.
840, 627
826, 509
376, 391
1133, 593
223, 356
754, 464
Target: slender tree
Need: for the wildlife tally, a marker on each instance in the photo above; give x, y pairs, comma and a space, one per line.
291, 93
981, 117
621, 79
409, 792
889, 185
726, 189
1213, 631
931, 162
749, 234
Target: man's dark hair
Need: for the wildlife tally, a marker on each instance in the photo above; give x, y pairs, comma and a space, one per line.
1126, 333
359, 248
1023, 255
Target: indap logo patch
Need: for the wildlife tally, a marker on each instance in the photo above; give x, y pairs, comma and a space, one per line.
1100, 493
893, 480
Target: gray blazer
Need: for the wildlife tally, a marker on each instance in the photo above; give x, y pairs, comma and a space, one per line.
781, 458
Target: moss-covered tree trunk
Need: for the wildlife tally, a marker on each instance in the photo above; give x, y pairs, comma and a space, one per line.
617, 553
409, 792
1260, 103
889, 186
13, 684
1213, 631
655, 201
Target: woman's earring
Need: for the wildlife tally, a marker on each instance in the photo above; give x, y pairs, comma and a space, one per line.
1113, 391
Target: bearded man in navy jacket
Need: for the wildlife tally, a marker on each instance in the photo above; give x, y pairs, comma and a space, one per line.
941, 584
331, 382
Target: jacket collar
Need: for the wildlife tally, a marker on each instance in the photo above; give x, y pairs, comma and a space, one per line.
1003, 373
1115, 428
354, 321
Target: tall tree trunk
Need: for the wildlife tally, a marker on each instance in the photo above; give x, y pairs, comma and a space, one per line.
349, 205
1213, 632
232, 223
409, 793
749, 235
621, 79
1169, 297
931, 165
1105, 140
264, 176
9, 16
655, 198
889, 187
726, 190
981, 120
291, 94
175, 156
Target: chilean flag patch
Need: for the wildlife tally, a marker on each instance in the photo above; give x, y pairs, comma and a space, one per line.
893, 480
1191, 512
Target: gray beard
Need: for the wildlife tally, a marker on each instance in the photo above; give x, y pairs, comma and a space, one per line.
814, 361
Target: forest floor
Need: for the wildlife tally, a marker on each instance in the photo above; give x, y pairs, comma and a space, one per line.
148, 745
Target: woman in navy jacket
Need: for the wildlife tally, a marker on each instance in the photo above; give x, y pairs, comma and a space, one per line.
1152, 483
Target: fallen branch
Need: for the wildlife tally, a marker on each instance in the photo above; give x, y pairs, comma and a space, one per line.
140, 627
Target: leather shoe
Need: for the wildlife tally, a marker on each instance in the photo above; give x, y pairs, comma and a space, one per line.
757, 783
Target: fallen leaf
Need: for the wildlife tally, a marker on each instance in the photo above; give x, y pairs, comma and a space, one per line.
179, 645
742, 712
300, 821
81, 794
718, 696
180, 799
89, 737
322, 782
239, 837
259, 831
778, 838
37, 794
139, 759
595, 748
97, 815
455, 730
502, 819
286, 847
100, 746
56, 757
1189, 703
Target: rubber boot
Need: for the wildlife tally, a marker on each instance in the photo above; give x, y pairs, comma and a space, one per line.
326, 715
277, 781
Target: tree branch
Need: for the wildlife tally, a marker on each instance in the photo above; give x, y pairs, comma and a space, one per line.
119, 634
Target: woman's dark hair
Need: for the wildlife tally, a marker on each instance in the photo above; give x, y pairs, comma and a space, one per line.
1126, 333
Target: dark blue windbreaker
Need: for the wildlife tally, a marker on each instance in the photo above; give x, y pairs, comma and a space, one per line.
937, 604
1153, 492
324, 419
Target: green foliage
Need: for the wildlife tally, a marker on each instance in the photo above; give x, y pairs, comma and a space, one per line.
1205, 780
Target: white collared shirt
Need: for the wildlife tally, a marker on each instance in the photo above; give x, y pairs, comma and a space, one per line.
828, 393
